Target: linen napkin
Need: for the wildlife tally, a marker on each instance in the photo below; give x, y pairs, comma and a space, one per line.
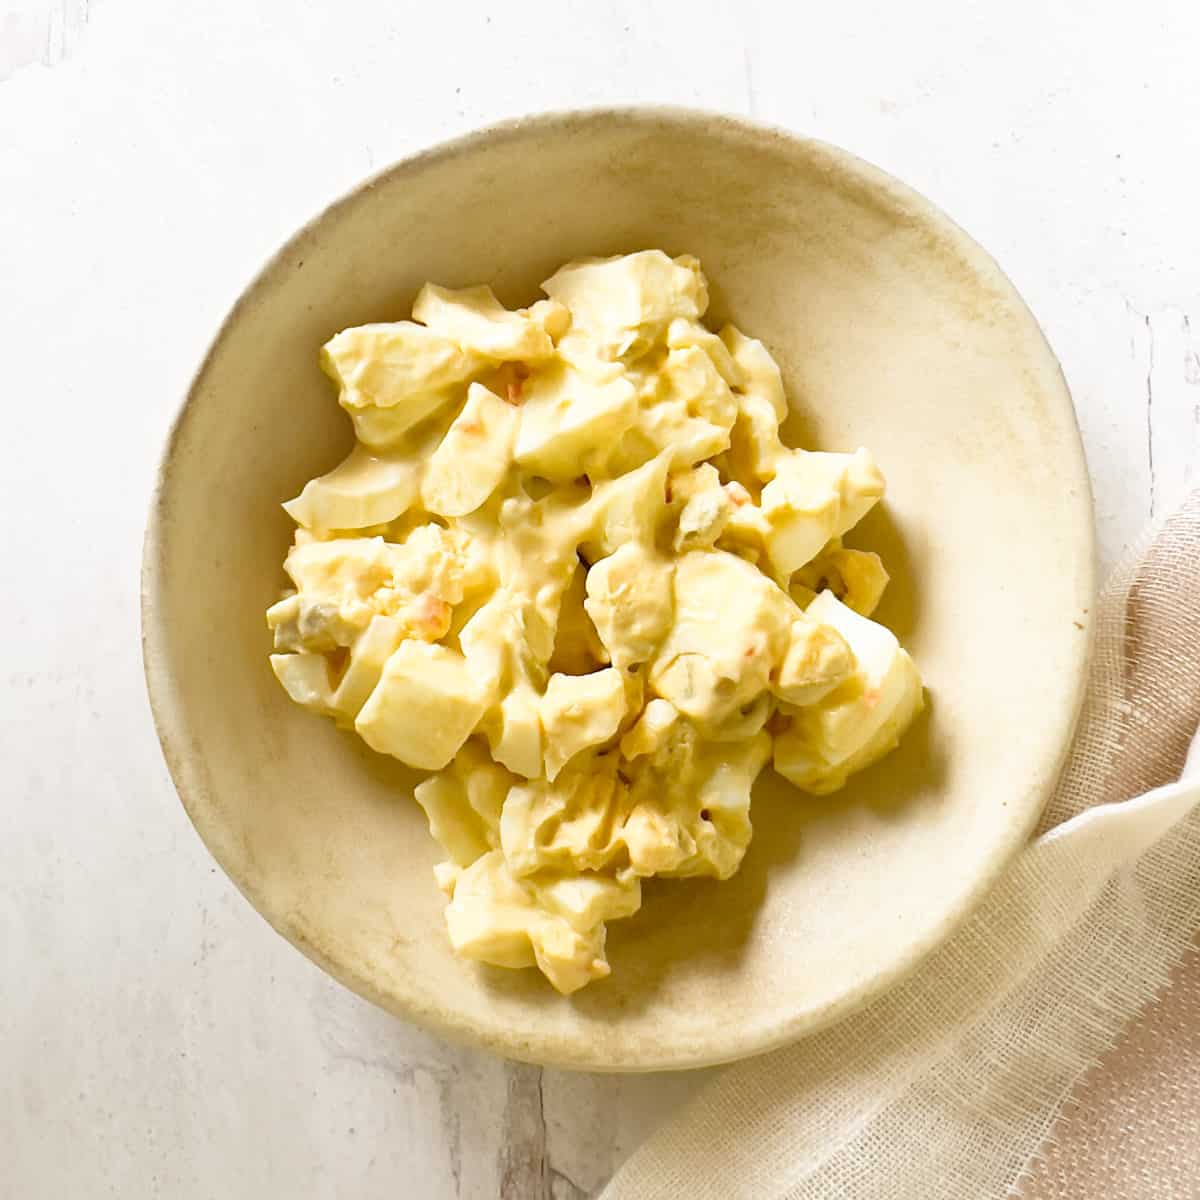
1006, 1066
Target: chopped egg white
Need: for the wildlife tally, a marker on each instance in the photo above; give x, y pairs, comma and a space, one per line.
473, 457
860, 719
366, 489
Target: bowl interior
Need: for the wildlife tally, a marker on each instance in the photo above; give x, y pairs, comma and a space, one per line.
893, 331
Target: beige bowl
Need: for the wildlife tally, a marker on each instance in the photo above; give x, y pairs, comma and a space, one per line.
894, 331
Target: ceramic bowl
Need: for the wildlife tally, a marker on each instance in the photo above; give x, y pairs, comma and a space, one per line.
894, 331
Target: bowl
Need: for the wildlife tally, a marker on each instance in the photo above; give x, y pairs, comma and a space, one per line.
893, 330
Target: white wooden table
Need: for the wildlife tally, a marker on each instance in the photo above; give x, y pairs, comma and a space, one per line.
156, 1038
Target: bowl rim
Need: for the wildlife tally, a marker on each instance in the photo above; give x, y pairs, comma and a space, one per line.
167, 707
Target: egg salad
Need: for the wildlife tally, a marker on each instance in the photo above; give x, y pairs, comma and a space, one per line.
571, 570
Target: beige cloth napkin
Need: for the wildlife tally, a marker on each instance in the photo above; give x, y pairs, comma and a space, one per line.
1007, 1064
